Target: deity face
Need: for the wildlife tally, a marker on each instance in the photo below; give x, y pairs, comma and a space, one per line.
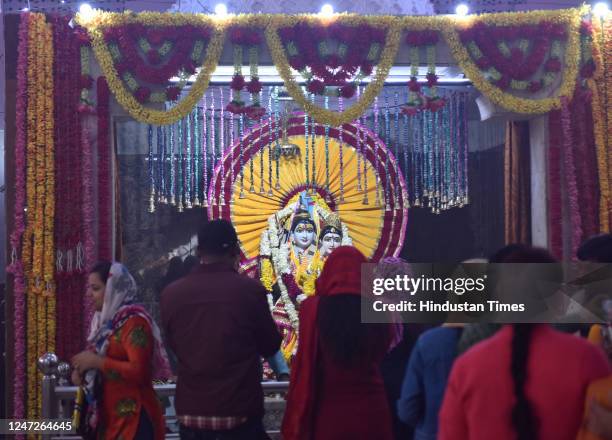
330, 241
303, 235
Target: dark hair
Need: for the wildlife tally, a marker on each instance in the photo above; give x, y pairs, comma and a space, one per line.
302, 217
217, 237
523, 417
189, 263
102, 268
327, 229
175, 269
597, 249
503, 253
342, 334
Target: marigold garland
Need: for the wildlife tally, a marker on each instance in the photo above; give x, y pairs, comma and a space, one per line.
31, 339
48, 269
570, 17
267, 274
124, 97
449, 26
324, 116
38, 242
599, 129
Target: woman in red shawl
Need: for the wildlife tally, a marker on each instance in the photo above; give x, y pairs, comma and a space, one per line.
336, 389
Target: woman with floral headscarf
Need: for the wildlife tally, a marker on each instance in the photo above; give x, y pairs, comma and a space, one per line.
123, 357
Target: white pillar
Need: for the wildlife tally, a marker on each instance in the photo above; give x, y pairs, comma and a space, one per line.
538, 142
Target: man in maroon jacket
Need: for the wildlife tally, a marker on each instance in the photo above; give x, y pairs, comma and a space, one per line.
218, 324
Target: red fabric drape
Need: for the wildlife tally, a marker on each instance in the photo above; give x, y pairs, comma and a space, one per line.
517, 183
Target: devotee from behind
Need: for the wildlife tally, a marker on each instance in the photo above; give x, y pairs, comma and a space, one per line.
218, 324
527, 382
336, 388
125, 355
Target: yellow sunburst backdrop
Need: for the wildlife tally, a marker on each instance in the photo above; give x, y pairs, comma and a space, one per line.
250, 214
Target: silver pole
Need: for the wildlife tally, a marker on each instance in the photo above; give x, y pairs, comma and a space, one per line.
47, 365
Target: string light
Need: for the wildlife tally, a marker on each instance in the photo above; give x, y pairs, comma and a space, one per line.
221, 9
462, 10
327, 9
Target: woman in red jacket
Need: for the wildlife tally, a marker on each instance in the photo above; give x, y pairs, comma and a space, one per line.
527, 382
336, 390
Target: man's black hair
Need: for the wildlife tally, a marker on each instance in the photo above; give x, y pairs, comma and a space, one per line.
217, 237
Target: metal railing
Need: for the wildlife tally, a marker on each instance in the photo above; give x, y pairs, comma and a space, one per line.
58, 396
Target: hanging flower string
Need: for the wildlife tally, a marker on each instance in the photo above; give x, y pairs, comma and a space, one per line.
16, 265
205, 145
104, 173
240, 38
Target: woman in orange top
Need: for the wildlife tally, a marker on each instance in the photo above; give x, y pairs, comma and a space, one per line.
124, 355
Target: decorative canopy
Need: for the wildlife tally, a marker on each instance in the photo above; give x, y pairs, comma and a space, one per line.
524, 62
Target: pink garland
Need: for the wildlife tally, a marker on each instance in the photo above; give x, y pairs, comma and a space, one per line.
570, 176
16, 266
292, 287
589, 173
554, 185
104, 170
88, 221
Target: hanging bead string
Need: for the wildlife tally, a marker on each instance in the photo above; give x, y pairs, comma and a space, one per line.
464, 183
241, 153
249, 124
459, 150
188, 161
197, 155
150, 160
433, 160
361, 139
358, 139
270, 136
306, 135
396, 135
277, 122
327, 149
418, 158
179, 169
213, 142
376, 146
430, 159
162, 164
387, 117
231, 147
313, 180
455, 147
205, 145
222, 145
172, 167
159, 138
446, 160
341, 147
407, 131
262, 149
437, 160
452, 147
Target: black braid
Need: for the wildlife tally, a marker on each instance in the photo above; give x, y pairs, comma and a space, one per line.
523, 417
